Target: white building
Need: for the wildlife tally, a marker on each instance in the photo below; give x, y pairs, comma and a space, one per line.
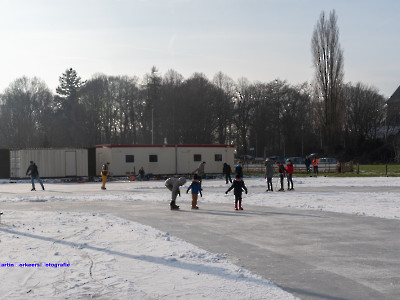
55, 162
163, 159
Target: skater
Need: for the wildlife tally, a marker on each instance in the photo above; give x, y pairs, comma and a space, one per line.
289, 169
34, 173
238, 186
315, 166
104, 175
200, 171
269, 173
307, 162
239, 169
282, 172
196, 190
226, 170
173, 185
141, 174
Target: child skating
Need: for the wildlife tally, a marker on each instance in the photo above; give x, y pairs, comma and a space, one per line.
196, 190
238, 187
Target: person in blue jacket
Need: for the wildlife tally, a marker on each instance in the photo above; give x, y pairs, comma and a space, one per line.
196, 190
239, 169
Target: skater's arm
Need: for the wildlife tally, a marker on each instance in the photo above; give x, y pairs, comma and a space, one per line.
244, 188
229, 189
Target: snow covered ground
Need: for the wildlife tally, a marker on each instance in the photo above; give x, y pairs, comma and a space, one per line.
65, 255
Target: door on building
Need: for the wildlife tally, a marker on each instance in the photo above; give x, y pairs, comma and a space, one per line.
70, 163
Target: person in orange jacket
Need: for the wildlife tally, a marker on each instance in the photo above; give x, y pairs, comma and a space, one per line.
289, 170
104, 175
315, 165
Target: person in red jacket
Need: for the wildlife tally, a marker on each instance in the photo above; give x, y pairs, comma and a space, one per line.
289, 170
315, 163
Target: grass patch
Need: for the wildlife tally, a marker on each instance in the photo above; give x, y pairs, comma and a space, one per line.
390, 170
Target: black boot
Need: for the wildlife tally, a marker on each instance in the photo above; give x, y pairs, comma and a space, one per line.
173, 205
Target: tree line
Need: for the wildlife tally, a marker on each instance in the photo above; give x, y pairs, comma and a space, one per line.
262, 119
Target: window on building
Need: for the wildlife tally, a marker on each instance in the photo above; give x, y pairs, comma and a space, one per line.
129, 158
153, 158
218, 157
197, 157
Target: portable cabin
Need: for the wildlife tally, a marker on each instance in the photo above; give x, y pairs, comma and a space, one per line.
163, 159
51, 162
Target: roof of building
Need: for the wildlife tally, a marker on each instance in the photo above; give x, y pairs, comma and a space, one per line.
395, 97
165, 145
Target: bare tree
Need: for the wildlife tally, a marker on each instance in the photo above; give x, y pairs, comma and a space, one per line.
365, 111
26, 109
224, 106
328, 62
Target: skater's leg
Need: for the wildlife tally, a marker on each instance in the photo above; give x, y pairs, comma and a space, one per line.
40, 181
281, 177
104, 179
289, 181
269, 181
240, 203
194, 201
33, 182
236, 202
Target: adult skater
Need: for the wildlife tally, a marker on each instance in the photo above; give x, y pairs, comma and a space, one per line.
173, 185
226, 170
315, 165
34, 173
269, 173
200, 171
104, 175
307, 162
282, 172
239, 169
141, 174
238, 186
289, 169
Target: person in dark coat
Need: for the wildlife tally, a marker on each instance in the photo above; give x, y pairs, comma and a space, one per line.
307, 162
141, 174
238, 187
226, 170
34, 173
269, 173
282, 172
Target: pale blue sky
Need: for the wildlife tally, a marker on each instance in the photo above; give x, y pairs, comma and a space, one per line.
258, 39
